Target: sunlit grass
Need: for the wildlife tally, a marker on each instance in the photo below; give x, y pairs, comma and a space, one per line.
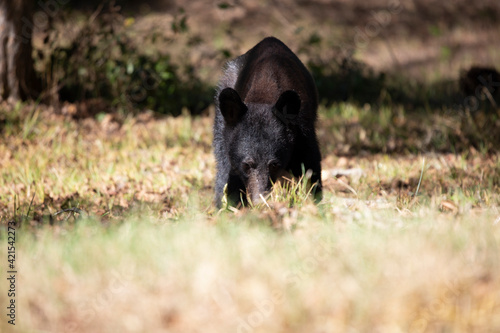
354, 267
63, 159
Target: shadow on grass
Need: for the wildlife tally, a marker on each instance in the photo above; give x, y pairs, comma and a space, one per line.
400, 115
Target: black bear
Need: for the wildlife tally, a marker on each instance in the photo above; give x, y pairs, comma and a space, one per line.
264, 125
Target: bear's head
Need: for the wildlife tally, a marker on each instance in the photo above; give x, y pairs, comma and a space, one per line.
259, 138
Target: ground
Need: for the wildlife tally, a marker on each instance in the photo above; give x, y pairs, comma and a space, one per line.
115, 228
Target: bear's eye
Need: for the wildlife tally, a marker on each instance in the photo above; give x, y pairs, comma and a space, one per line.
247, 166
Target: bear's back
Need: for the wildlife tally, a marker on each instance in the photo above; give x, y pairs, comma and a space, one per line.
269, 69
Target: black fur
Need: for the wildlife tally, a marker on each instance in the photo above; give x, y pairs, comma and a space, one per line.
266, 105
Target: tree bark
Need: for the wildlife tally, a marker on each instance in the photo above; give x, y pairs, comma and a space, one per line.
17, 75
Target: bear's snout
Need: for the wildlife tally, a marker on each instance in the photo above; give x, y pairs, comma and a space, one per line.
259, 186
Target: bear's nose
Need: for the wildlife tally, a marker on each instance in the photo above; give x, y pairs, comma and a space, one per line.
259, 197
258, 186
256, 199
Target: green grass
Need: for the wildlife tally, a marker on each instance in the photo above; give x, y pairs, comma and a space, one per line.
146, 251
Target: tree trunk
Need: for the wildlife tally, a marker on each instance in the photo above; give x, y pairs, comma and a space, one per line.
17, 75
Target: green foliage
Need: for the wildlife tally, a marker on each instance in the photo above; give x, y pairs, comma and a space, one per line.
104, 62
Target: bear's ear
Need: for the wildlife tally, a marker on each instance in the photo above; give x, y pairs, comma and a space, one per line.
287, 107
231, 106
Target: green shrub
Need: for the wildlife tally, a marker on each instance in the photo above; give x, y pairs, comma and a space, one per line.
103, 62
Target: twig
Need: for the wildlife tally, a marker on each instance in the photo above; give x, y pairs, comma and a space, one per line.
421, 176
490, 98
74, 210
70, 210
264, 200
96, 13
347, 186
29, 209
31, 203
414, 200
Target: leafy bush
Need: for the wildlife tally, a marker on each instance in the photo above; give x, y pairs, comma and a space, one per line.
103, 62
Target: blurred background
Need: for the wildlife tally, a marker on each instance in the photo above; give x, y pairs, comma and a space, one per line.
93, 57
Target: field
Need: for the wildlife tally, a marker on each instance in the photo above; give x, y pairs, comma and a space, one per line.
146, 251
115, 230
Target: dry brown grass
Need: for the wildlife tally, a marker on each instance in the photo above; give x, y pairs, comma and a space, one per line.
152, 256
